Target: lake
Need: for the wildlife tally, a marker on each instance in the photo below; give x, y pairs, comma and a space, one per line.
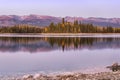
57, 54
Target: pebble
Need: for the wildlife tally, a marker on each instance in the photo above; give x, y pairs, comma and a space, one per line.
76, 76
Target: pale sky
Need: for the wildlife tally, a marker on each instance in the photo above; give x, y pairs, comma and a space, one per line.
61, 8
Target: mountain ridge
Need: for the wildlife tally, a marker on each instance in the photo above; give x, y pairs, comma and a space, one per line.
43, 20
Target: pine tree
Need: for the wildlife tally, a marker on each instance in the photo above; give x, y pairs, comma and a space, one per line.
63, 20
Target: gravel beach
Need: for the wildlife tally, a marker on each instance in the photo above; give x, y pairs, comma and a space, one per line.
70, 76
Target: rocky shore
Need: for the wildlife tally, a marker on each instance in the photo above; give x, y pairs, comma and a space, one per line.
114, 74
71, 76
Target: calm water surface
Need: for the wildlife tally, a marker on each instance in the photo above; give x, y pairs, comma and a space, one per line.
24, 55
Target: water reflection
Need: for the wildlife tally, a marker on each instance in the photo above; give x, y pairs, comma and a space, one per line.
13, 44
57, 54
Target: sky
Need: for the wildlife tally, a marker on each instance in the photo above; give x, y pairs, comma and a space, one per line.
62, 8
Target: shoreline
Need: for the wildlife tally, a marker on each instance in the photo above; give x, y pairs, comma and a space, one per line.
101, 73
39, 75
60, 35
68, 76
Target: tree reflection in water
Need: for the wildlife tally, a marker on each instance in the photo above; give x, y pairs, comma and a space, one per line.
36, 44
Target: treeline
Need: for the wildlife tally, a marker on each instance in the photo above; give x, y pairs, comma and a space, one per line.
21, 29
78, 27
63, 27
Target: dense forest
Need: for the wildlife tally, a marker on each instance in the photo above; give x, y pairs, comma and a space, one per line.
63, 27
21, 29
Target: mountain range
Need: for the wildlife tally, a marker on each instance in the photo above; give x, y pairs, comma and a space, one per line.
41, 20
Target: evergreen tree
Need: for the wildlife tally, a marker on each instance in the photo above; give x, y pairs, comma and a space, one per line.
63, 20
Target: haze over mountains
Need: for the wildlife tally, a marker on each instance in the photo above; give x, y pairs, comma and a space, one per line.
40, 20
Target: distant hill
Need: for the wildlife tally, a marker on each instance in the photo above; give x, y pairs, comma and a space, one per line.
114, 22
40, 20
36, 20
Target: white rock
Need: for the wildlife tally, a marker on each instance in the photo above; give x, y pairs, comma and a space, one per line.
27, 76
37, 76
